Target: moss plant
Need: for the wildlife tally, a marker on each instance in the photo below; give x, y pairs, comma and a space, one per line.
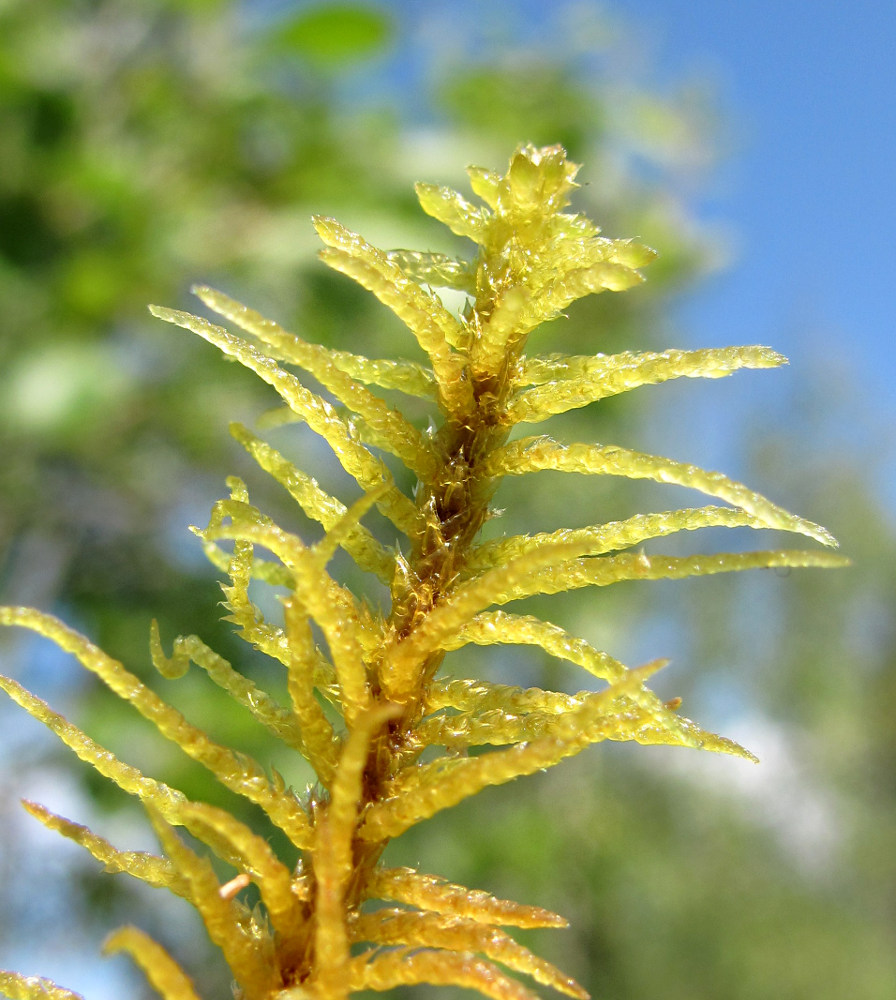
391, 737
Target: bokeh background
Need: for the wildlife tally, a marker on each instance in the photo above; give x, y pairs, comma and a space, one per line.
145, 146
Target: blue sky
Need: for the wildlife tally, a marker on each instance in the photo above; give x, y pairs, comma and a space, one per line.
810, 89
810, 93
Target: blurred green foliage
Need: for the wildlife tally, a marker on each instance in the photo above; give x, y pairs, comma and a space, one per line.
145, 146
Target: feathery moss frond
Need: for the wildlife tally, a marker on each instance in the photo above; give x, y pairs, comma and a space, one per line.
500, 627
430, 892
165, 975
393, 926
383, 970
191, 649
566, 383
386, 427
19, 987
360, 544
369, 471
367, 700
165, 799
452, 210
435, 329
254, 856
235, 771
606, 570
536, 454
249, 952
601, 538
155, 871
467, 695
336, 832
437, 271
617, 713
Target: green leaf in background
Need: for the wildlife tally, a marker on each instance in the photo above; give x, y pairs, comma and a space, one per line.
335, 34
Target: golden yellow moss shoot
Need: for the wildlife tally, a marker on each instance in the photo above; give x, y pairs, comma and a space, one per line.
379, 671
